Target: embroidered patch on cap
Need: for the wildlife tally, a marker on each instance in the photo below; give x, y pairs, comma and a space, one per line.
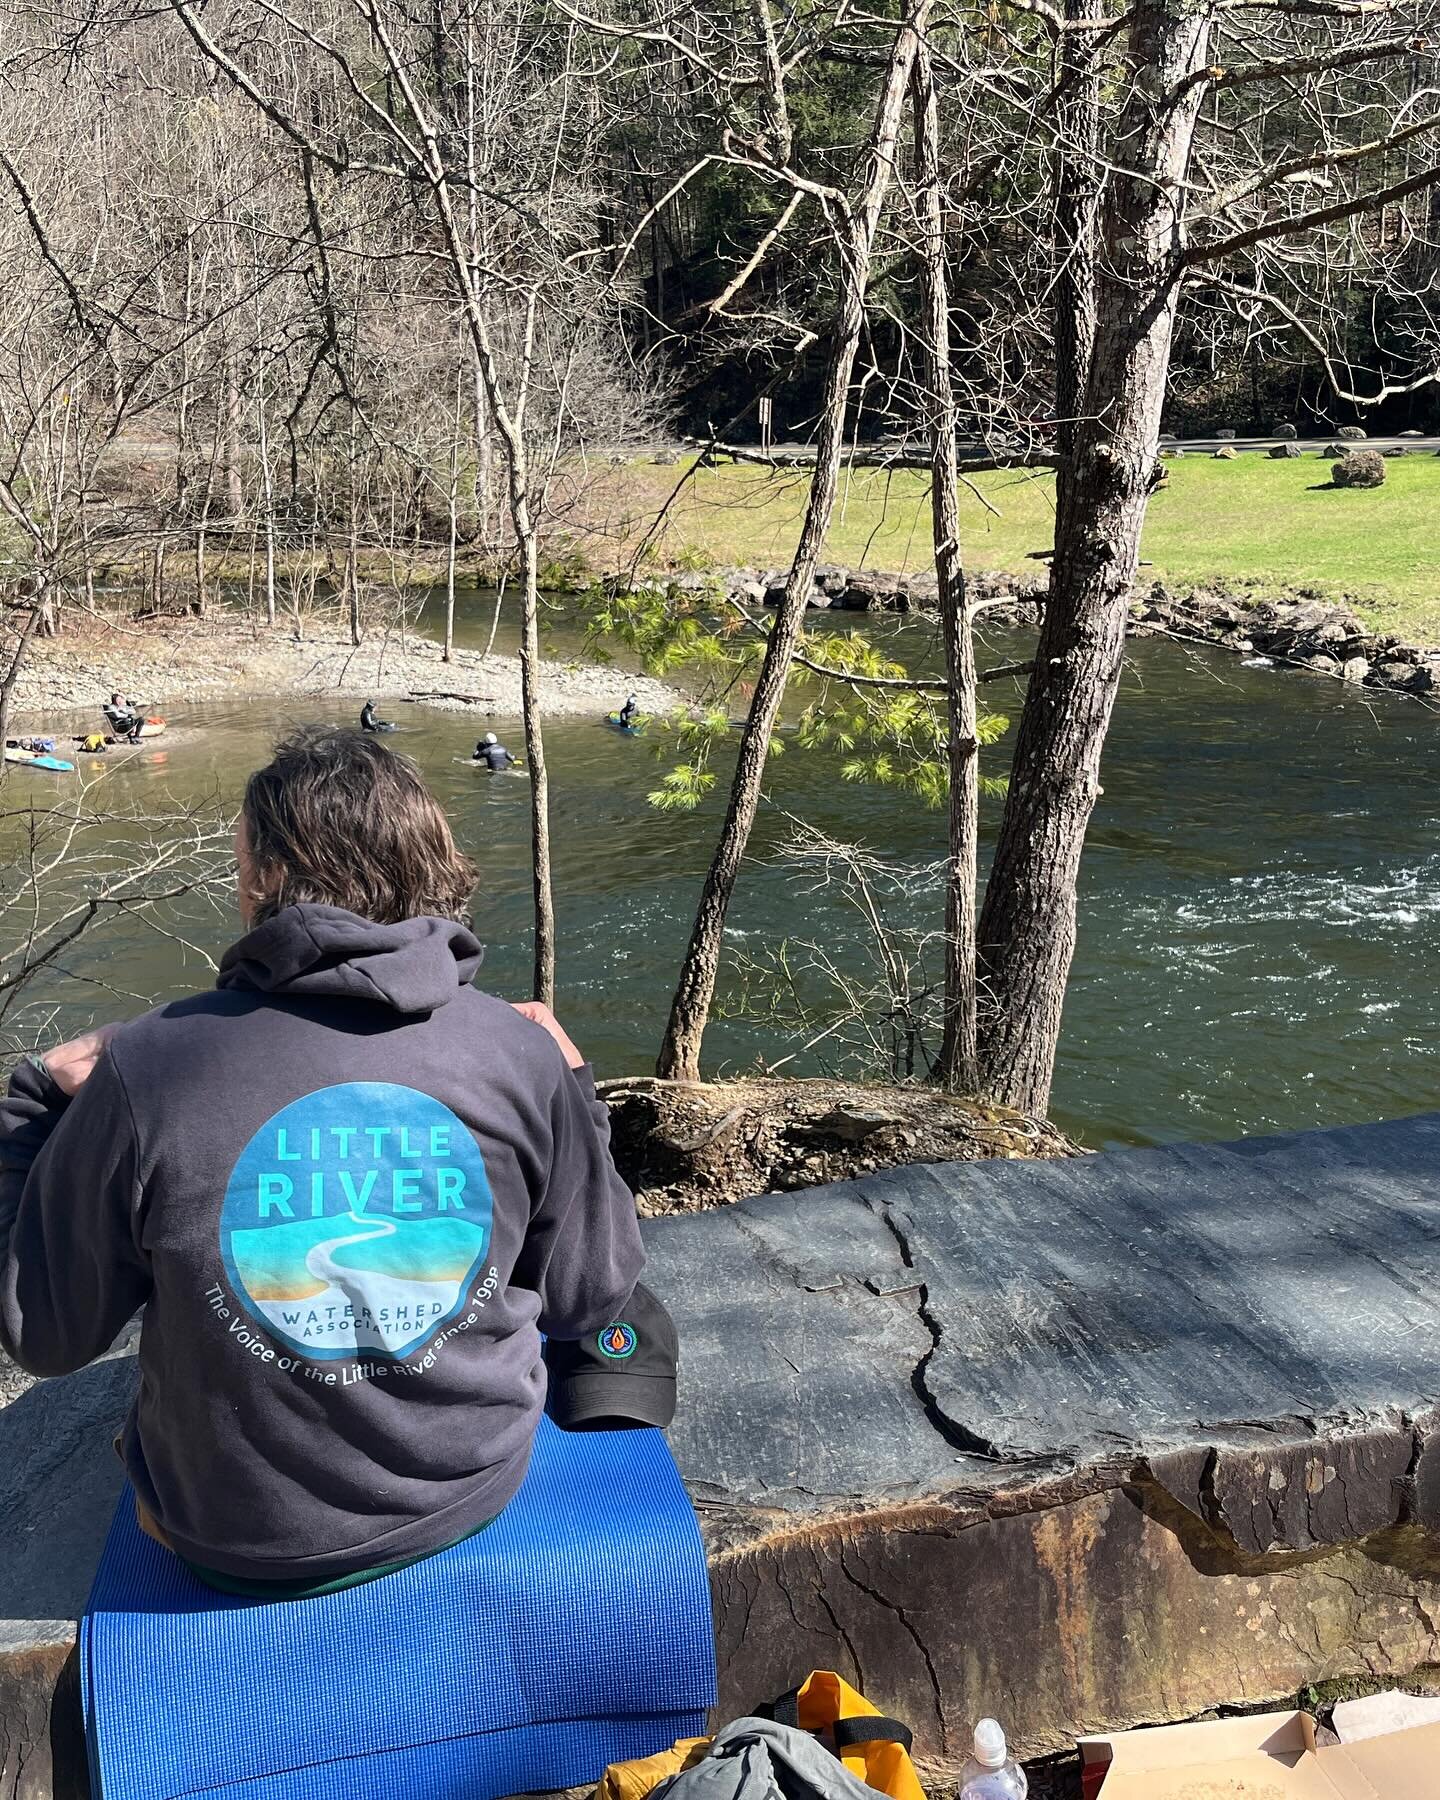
617, 1341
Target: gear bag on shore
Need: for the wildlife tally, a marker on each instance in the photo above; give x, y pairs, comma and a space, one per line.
830, 1743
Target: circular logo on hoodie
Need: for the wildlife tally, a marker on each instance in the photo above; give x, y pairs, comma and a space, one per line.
356, 1219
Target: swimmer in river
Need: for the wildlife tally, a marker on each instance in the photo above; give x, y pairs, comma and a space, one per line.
630, 713
494, 755
370, 720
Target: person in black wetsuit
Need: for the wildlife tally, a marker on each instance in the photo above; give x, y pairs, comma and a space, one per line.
370, 721
630, 713
493, 754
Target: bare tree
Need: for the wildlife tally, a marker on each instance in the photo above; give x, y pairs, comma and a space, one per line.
1197, 171
856, 222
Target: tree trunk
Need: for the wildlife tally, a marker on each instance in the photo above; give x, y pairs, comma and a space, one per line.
268, 489
17, 660
1076, 219
452, 538
233, 451
1027, 926
484, 469
352, 540
200, 528
957, 1069
679, 1058
544, 982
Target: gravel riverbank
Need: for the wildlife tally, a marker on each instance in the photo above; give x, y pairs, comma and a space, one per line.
221, 657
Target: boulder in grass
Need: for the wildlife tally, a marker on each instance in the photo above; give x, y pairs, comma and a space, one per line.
1226, 453
1334, 450
1283, 452
1226, 432
1352, 432
1412, 432
1362, 469
1286, 431
1394, 450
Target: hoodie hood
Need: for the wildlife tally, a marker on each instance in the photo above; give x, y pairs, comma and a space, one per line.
326, 952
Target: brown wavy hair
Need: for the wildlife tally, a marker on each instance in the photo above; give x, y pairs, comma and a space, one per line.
337, 819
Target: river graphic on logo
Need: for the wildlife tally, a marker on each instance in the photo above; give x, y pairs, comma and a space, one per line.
356, 1219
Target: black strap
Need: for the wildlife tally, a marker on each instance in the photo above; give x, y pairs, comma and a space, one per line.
784, 1711
876, 1730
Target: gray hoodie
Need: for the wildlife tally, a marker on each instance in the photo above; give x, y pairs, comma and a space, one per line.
351, 1191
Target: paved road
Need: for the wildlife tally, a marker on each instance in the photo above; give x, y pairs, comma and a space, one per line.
1313, 445
1198, 446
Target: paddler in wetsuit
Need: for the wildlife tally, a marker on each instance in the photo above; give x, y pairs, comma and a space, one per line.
494, 755
630, 714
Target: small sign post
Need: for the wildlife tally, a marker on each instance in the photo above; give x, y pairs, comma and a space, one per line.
765, 417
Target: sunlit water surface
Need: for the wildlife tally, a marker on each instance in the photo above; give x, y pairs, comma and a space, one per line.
1260, 904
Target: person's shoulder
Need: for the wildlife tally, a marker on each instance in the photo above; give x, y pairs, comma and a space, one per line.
168, 1024
513, 1036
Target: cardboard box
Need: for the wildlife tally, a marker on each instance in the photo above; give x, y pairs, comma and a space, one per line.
1376, 1714
1272, 1756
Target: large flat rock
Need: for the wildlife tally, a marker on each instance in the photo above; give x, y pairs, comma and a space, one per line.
1084, 1443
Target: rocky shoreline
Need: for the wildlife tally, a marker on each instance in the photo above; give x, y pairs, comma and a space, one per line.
224, 655
1305, 633
1301, 630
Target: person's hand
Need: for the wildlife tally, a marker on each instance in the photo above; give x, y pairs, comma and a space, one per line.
538, 1012
70, 1065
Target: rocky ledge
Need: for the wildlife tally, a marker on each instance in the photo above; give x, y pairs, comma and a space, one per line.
1307, 633
1301, 630
840, 589
1084, 1443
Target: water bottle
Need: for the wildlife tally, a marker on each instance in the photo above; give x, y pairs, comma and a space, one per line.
992, 1773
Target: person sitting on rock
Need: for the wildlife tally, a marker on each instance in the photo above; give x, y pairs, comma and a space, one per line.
493, 754
348, 1231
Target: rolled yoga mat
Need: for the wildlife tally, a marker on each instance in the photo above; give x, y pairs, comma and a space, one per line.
573, 1632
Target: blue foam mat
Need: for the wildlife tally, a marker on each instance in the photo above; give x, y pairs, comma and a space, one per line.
574, 1632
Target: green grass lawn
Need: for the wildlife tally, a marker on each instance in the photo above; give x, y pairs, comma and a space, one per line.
1251, 522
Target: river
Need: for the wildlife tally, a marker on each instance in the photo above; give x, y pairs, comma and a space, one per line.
1260, 904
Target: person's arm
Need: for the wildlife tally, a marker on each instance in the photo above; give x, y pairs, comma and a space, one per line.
582, 1253
72, 1270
